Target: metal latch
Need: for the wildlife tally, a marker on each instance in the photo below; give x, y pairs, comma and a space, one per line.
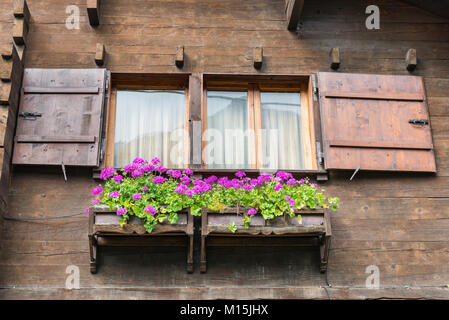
420, 122
29, 115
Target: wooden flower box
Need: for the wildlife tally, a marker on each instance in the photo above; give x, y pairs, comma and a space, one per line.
314, 229
105, 230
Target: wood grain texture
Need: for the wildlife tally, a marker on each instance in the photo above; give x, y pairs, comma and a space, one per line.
397, 221
67, 111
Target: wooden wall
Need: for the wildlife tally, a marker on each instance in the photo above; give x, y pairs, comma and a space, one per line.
398, 222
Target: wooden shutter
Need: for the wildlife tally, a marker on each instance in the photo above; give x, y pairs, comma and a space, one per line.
69, 108
366, 122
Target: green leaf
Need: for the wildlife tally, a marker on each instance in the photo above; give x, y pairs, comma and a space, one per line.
161, 217
299, 218
122, 222
232, 227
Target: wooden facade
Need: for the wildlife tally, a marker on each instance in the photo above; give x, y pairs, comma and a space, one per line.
397, 221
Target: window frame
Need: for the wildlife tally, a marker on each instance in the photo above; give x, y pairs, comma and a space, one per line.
144, 82
254, 86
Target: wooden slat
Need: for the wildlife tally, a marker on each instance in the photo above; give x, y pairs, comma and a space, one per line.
55, 139
21, 9
49, 90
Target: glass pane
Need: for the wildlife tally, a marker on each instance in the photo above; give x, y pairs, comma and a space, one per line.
227, 130
150, 123
281, 134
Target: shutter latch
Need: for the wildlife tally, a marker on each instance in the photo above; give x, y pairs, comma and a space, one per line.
419, 122
30, 115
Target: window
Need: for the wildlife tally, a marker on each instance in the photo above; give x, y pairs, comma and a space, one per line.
148, 120
252, 125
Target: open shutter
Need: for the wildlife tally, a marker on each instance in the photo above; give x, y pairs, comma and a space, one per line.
375, 122
60, 117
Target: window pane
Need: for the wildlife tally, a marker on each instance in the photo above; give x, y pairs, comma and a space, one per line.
227, 130
150, 123
281, 135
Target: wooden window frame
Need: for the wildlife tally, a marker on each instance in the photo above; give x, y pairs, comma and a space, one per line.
144, 82
254, 86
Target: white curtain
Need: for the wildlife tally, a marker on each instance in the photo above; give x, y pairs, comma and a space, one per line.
281, 130
150, 123
227, 130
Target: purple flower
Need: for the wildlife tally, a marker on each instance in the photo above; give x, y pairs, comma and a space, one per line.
252, 211
137, 196
136, 173
96, 201
180, 190
121, 211
287, 197
161, 169
197, 189
150, 209
247, 187
185, 179
240, 174
118, 178
155, 160
176, 174
210, 179
159, 179
97, 190
313, 185
302, 181
291, 202
148, 167
145, 188
86, 211
254, 182
222, 180
129, 168
106, 173
291, 182
278, 187
189, 193
139, 161
114, 194
188, 171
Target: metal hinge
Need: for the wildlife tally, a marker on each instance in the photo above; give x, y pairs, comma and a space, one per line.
314, 87
420, 122
319, 153
107, 80
30, 115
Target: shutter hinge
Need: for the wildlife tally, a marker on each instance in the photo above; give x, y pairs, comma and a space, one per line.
419, 122
314, 88
107, 80
30, 115
102, 150
319, 154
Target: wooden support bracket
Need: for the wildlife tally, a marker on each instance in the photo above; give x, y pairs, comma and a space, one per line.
6, 51
21, 9
20, 31
258, 57
179, 59
100, 54
335, 58
93, 12
293, 9
411, 59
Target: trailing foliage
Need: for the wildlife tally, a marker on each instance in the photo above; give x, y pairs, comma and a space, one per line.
155, 194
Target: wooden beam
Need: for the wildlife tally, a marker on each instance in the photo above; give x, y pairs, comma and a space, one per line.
258, 57
293, 9
411, 59
335, 58
6, 51
100, 54
20, 31
93, 12
179, 59
21, 9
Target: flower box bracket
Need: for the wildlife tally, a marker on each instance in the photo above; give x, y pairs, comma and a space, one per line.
314, 229
105, 230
